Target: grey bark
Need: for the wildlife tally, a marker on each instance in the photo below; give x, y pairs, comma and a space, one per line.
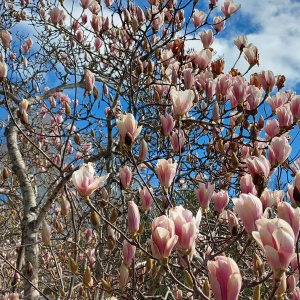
30, 229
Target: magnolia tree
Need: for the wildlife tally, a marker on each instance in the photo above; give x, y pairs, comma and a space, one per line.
135, 167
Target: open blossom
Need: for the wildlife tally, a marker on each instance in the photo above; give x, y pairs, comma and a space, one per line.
207, 38
128, 128
284, 116
198, 17
272, 128
163, 238
166, 171
295, 107
249, 208
241, 42
182, 101
204, 194
267, 80
219, 23
85, 182
251, 55
277, 239
186, 226
229, 8
201, 59
224, 277
294, 190
259, 168
290, 215
279, 151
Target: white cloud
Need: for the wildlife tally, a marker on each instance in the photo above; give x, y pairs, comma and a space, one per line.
275, 33
273, 29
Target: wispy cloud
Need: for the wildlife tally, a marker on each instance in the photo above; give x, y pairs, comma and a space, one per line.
271, 25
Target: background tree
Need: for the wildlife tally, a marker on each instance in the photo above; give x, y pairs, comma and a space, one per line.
135, 167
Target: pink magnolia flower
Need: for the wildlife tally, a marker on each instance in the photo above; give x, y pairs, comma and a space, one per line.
167, 124
277, 239
254, 97
85, 182
56, 16
198, 17
277, 100
182, 101
6, 38
146, 197
251, 55
186, 227
207, 38
290, 215
221, 200
163, 238
3, 70
201, 59
143, 150
158, 21
97, 23
241, 42
225, 278
259, 168
295, 107
189, 78
232, 222
140, 14
128, 128
128, 252
249, 208
294, 190
177, 141
267, 80
204, 194
279, 151
247, 185
125, 177
166, 171
219, 23
284, 116
133, 217
89, 80
229, 8
272, 128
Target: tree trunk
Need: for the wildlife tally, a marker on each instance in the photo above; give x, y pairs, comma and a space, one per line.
29, 219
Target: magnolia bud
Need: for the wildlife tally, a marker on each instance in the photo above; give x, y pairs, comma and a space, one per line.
113, 216
87, 278
95, 220
5, 174
46, 233
67, 109
73, 266
188, 278
106, 285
